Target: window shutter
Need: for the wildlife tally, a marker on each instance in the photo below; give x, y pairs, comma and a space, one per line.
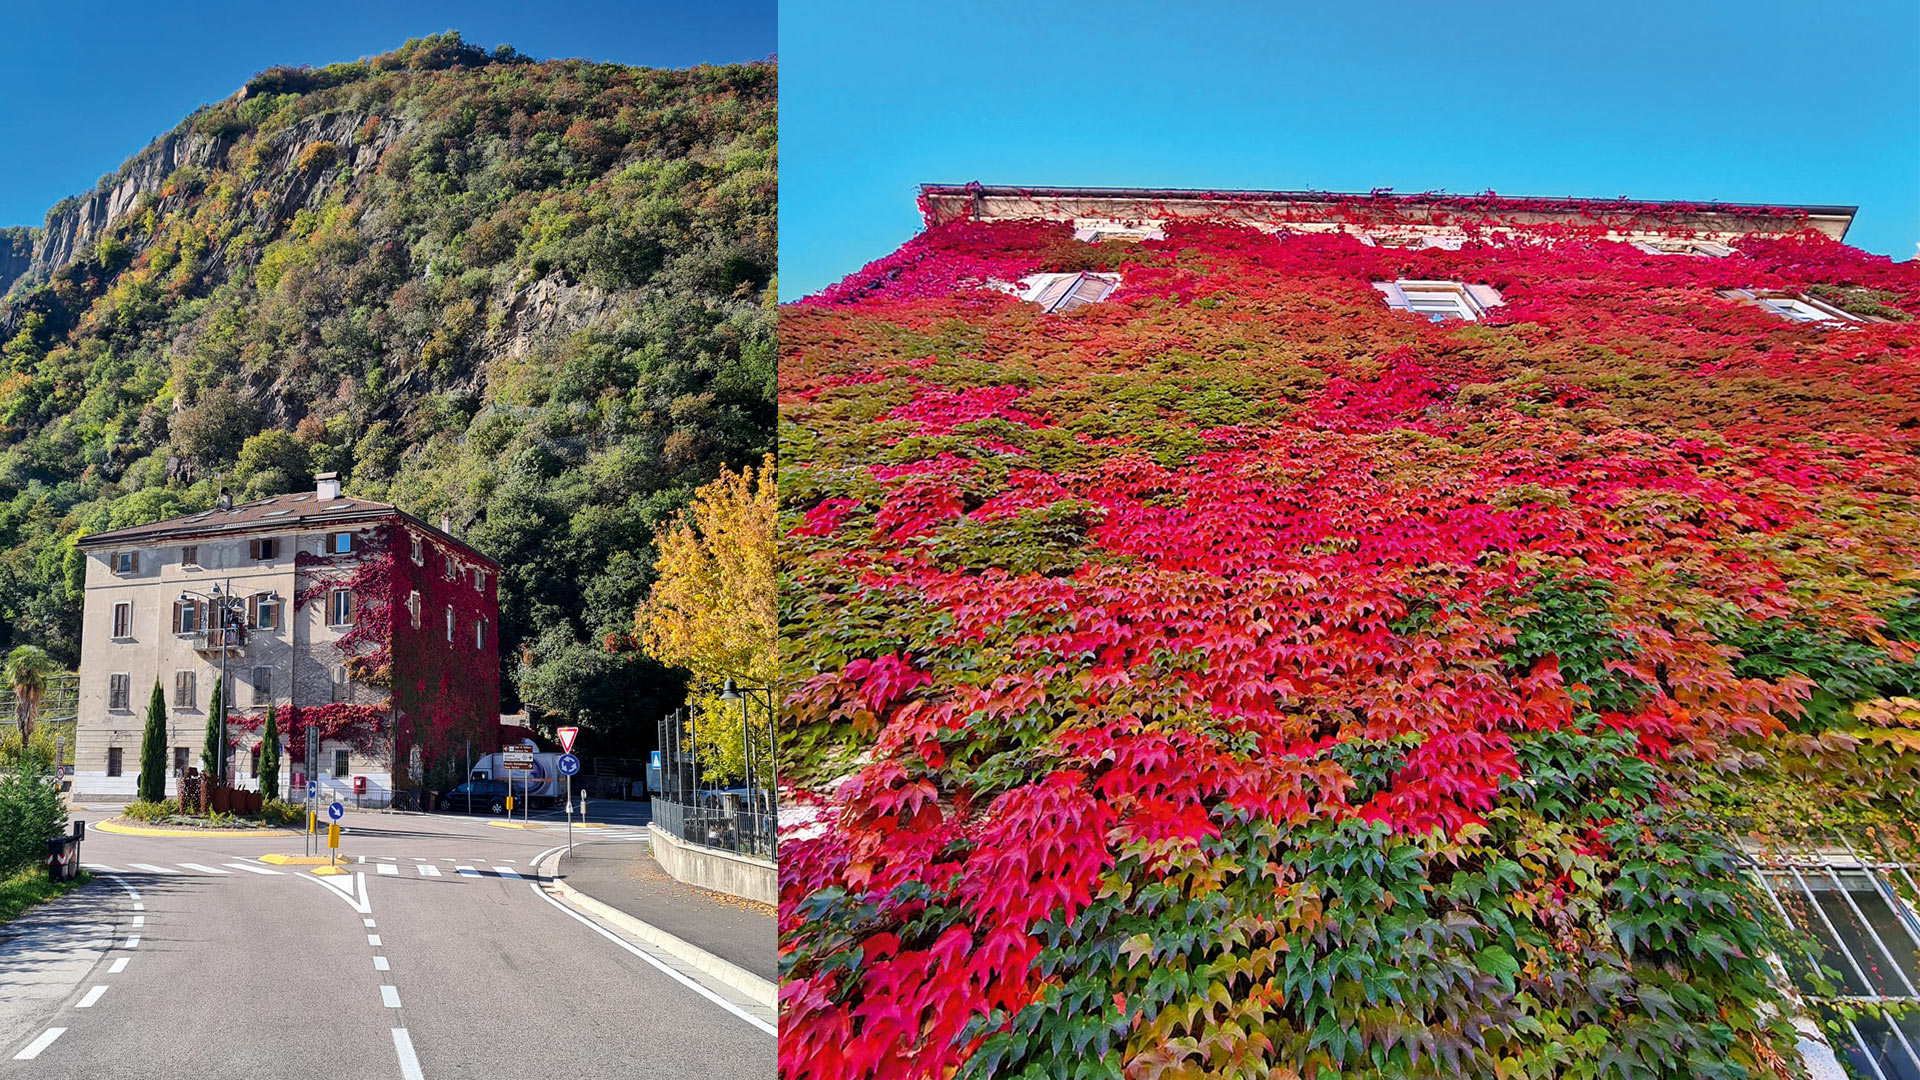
253, 549
176, 616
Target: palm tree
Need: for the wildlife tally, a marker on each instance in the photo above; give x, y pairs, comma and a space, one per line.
26, 671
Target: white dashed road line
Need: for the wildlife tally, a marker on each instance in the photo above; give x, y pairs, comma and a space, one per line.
428, 871
33, 1049
386, 868
93, 995
506, 873
251, 869
119, 965
133, 942
152, 869
390, 996
204, 869
380, 964
374, 940
402, 1046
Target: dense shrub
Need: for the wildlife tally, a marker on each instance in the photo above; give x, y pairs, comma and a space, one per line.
31, 811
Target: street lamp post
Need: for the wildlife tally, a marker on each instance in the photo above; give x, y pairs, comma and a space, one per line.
222, 602
733, 691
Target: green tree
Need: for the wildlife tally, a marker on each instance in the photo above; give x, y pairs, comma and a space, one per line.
270, 757
26, 672
210, 752
272, 463
153, 749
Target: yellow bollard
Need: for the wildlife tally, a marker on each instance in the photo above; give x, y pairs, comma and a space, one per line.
509, 804
333, 843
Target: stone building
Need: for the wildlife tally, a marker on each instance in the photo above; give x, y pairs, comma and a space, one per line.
353, 619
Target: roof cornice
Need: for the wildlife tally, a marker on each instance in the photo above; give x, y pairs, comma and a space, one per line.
985, 202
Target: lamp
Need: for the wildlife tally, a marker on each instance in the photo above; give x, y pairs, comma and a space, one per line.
729, 692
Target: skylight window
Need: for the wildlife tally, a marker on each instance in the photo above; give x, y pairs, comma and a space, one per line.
1064, 292
1440, 300
1796, 306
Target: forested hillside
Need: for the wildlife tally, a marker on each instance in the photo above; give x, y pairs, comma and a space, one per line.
533, 298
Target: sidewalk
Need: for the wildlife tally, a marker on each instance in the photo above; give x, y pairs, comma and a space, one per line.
624, 876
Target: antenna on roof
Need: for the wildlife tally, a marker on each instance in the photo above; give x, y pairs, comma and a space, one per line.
226, 499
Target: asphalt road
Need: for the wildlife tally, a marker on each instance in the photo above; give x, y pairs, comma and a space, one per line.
439, 955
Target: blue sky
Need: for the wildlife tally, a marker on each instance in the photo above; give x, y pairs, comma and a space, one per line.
1754, 101
83, 90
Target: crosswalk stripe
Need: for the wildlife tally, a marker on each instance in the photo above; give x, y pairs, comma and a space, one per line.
467, 871
204, 869
102, 868
506, 873
251, 869
386, 868
428, 871
152, 869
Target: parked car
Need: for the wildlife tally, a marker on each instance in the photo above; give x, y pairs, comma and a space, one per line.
489, 797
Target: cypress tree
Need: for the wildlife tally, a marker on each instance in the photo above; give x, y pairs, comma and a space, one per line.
210, 753
270, 758
153, 749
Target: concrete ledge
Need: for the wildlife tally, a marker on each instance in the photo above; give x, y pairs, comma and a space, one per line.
763, 992
721, 871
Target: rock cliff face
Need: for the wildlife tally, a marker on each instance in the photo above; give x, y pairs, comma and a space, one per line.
16, 254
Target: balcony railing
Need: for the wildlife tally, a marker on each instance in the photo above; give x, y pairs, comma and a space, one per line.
231, 639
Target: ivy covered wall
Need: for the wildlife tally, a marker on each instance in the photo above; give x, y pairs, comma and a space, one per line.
1238, 677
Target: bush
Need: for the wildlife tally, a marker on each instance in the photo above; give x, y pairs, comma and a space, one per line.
281, 812
31, 812
148, 810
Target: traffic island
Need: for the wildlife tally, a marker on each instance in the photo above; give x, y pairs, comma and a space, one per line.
240, 832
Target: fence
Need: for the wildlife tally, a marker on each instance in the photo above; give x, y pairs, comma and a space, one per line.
695, 806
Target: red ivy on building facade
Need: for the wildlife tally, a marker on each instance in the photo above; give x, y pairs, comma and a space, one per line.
1240, 675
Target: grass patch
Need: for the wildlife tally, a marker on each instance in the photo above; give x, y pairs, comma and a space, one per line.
29, 887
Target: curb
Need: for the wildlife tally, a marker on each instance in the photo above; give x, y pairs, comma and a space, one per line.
296, 860
219, 834
763, 992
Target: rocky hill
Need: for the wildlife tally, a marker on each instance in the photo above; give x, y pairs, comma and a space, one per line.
532, 298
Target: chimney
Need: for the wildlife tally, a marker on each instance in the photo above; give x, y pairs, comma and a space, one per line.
446, 524
326, 486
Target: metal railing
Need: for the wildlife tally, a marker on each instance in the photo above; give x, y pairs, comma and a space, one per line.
719, 812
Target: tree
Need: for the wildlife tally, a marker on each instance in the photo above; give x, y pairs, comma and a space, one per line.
153, 749
26, 672
712, 611
272, 463
270, 758
210, 753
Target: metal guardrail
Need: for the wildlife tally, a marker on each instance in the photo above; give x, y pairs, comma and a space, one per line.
723, 821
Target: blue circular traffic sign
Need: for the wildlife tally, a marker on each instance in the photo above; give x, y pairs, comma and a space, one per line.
336, 811
569, 764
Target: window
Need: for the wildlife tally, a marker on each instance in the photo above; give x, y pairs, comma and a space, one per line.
1064, 292
342, 686
123, 619
480, 634
125, 562
449, 622
1803, 310
1439, 300
419, 555
413, 607
264, 549
179, 760
263, 612
1101, 230
340, 543
190, 555
190, 617
119, 692
263, 686
1447, 241
183, 690
340, 763
340, 608
113, 761
1861, 928
255, 769
479, 581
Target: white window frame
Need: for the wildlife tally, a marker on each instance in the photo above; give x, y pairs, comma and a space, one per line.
1065, 292
1804, 309
419, 551
479, 581
450, 624
122, 629
336, 600
480, 633
1467, 302
413, 607
124, 563
1803, 877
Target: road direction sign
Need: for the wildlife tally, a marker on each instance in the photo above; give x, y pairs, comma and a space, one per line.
567, 735
569, 764
336, 811
517, 761
313, 789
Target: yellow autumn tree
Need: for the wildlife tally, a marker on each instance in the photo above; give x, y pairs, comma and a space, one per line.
712, 610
